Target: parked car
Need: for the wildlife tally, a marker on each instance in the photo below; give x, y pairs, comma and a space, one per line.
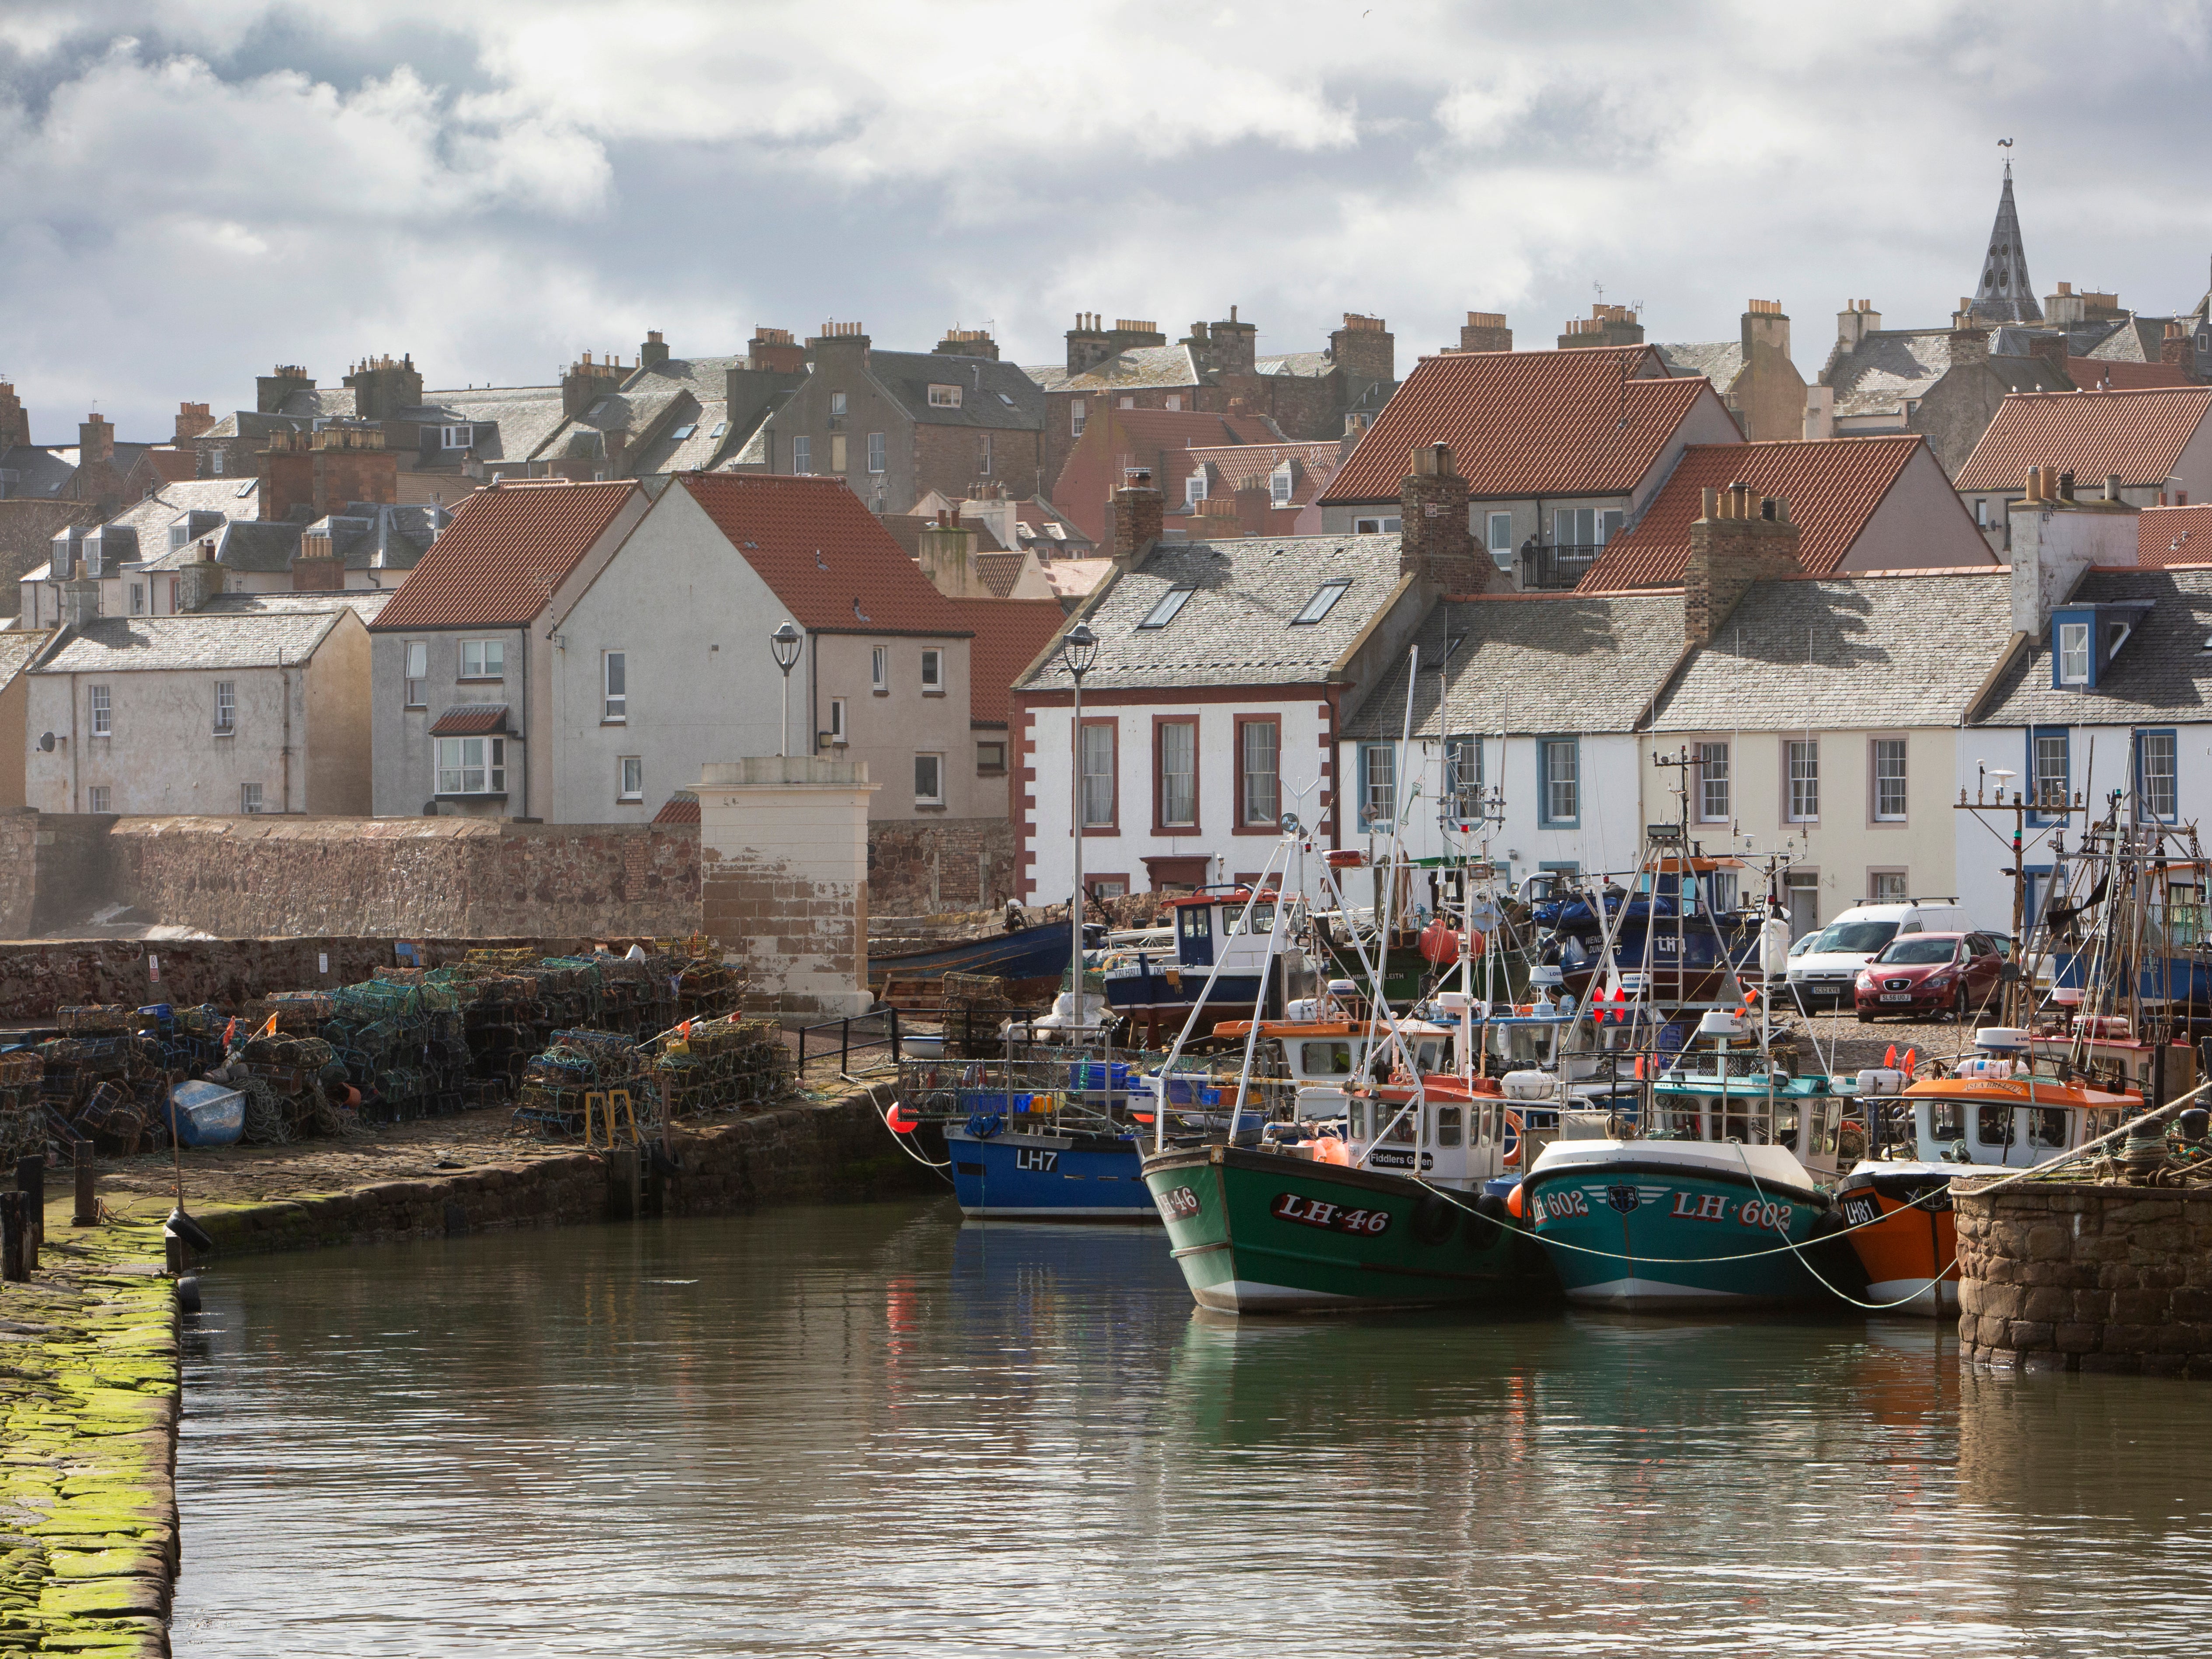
1828, 973
1923, 974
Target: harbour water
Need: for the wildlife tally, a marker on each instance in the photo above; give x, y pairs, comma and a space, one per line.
875, 1430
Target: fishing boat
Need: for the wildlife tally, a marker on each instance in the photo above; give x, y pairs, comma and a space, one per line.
2003, 1109
1715, 1203
1667, 931
1221, 965
1027, 957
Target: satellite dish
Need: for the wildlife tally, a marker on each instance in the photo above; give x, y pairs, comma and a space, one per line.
46, 742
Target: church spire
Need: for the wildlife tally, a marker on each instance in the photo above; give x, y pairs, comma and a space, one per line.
2004, 293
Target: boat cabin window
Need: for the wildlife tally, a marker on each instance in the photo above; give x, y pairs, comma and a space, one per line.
1447, 1125
1396, 1122
1993, 1126
1325, 1058
1263, 918
2046, 1126
1686, 1125
1355, 1120
1195, 921
1948, 1121
1425, 1056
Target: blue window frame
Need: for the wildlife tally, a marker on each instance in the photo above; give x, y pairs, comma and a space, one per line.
2049, 776
1378, 784
1559, 782
2157, 787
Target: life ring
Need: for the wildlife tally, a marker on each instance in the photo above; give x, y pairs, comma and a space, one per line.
1511, 1156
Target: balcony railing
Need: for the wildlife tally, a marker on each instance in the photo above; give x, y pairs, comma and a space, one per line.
1555, 569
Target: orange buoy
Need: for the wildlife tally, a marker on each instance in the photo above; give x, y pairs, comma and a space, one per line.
899, 1121
1513, 1201
1329, 1150
1439, 944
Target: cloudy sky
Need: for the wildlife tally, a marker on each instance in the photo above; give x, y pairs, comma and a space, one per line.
198, 188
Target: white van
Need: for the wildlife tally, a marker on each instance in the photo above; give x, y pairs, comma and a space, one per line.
1824, 974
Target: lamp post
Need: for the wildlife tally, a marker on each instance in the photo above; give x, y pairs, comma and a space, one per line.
785, 643
1078, 649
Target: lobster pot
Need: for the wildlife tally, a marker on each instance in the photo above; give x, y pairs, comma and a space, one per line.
727, 1065
575, 1064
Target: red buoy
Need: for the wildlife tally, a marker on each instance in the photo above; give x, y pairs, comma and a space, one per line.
1439, 944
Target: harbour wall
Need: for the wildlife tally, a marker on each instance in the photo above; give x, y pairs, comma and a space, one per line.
2075, 1276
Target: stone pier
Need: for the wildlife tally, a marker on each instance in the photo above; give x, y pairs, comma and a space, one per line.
2075, 1276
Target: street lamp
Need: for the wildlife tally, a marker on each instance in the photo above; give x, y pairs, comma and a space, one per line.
785, 643
1078, 649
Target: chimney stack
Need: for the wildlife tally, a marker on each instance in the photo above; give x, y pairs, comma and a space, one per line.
383, 387
2050, 349
200, 580
1434, 541
968, 342
316, 567
1486, 330
1969, 343
1606, 325
15, 419
95, 441
653, 352
272, 391
2177, 349
1137, 513
1742, 538
773, 351
586, 382
1364, 349
1858, 319
193, 419
2055, 536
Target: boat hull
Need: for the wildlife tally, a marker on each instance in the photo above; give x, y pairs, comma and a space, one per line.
1905, 1235
1045, 1175
1662, 1234
1027, 953
1258, 1231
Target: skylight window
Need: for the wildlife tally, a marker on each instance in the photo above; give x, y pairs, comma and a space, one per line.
684, 432
1005, 399
1324, 597
1170, 602
596, 410
720, 428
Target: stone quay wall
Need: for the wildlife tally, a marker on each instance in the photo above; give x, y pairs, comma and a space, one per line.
800, 1153
923, 868
2073, 1276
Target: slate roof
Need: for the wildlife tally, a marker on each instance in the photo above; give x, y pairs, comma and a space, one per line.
326, 402
1833, 488
2162, 675
42, 472
2132, 340
220, 636
381, 536
834, 566
992, 394
252, 544
650, 405
2174, 535
525, 416
1009, 633
2093, 434
1523, 423
19, 646
1718, 360
1562, 663
1870, 650
1235, 628
1887, 368
505, 551
1138, 369
151, 517
1301, 365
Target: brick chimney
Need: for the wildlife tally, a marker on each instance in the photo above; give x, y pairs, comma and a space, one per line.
1742, 537
316, 567
311, 475
2178, 348
193, 419
1606, 325
948, 558
1434, 542
968, 342
2056, 535
1764, 328
80, 600
774, 351
199, 580
382, 387
95, 441
653, 352
270, 390
15, 419
2049, 348
1969, 345
840, 351
1486, 330
1858, 319
1136, 518
1364, 349
586, 382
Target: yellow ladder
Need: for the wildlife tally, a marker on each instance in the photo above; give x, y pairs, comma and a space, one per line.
606, 1103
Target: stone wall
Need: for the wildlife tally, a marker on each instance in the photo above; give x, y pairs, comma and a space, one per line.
444, 876
2071, 1276
796, 1154
53, 869
926, 869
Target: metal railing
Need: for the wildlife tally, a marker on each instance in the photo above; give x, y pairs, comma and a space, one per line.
1555, 569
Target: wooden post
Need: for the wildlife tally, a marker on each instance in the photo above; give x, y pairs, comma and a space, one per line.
31, 1181
622, 1183
88, 1186
13, 1230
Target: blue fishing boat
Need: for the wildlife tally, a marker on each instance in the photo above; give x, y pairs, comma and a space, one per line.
1026, 953
1217, 961
1715, 1203
1669, 932
1046, 1174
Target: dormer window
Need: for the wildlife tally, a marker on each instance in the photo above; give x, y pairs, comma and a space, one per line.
1193, 490
456, 437
2074, 654
2115, 635
1170, 602
1325, 597
944, 397
1279, 486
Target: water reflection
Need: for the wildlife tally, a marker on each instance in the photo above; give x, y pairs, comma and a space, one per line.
875, 1430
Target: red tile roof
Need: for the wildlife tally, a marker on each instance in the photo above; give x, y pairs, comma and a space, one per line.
1523, 423
2093, 434
1118, 438
834, 566
2092, 372
2174, 535
682, 807
471, 719
1009, 634
1832, 488
497, 563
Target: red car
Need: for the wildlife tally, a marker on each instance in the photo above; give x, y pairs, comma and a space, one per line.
1918, 974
